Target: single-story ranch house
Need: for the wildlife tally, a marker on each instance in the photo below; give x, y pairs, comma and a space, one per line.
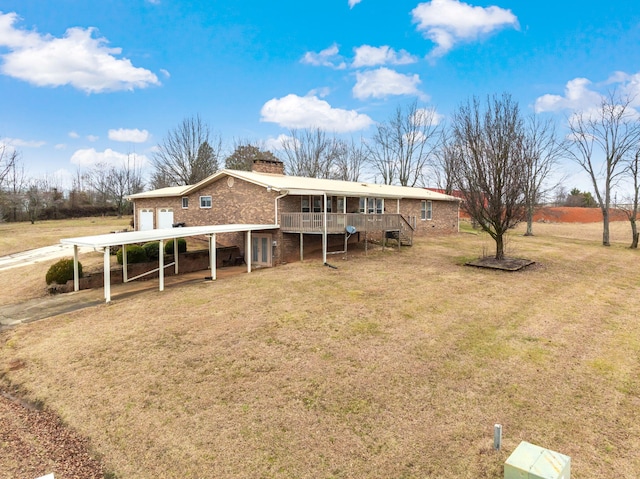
307, 214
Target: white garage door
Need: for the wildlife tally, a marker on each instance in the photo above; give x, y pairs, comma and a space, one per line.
145, 220
165, 218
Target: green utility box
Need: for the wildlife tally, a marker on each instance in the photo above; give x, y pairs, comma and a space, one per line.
529, 461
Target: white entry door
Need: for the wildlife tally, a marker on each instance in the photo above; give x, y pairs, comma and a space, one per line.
165, 218
145, 219
261, 250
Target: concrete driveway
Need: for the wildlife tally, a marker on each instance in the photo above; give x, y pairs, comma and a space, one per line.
38, 255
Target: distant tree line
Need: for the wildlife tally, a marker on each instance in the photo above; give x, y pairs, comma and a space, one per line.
502, 163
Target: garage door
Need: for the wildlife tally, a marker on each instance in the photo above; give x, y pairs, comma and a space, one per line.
165, 217
145, 219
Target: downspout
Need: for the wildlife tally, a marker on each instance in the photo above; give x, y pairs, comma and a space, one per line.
276, 205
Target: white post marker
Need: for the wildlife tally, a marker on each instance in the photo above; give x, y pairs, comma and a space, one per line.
497, 436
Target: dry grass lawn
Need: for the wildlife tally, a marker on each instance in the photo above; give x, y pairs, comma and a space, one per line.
395, 365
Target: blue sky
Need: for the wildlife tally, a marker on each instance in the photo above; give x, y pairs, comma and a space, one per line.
87, 81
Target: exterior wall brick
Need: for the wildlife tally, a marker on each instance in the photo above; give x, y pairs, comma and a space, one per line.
235, 201
444, 218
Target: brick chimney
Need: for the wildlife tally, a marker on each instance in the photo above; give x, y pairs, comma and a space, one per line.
274, 166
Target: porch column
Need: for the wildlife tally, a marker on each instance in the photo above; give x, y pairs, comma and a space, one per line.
324, 230
301, 247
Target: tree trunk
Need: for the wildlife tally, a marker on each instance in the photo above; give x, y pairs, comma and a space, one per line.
499, 248
529, 231
634, 233
605, 227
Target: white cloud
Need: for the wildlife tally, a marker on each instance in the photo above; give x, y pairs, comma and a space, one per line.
628, 85
577, 96
329, 57
165, 72
383, 82
19, 143
275, 144
131, 136
353, 3
426, 117
60, 146
73, 134
92, 138
75, 59
293, 111
447, 22
89, 157
368, 56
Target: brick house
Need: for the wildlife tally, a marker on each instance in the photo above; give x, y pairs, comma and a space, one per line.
307, 214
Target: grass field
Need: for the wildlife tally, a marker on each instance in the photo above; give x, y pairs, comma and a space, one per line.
395, 365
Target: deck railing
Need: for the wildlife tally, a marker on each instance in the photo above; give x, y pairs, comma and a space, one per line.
337, 222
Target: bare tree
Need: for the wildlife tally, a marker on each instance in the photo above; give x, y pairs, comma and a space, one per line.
13, 189
630, 206
601, 141
8, 159
381, 153
98, 179
124, 180
402, 146
113, 183
542, 151
36, 198
491, 173
446, 157
310, 153
188, 154
350, 159
244, 154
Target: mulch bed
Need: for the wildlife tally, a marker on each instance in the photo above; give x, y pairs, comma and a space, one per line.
506, 264
35, 442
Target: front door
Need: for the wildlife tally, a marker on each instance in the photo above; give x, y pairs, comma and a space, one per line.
261, 250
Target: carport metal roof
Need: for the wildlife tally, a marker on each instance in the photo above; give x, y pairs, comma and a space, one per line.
130, 237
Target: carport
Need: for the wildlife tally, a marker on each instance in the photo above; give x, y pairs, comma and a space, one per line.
105, 242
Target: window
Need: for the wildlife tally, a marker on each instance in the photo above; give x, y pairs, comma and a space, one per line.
341, 204
205, 202
426, 210
362, 205
185, 202
314, 204
317, 204
373, 206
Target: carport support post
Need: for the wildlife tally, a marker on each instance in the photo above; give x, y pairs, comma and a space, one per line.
125, 277
161, 265
212, 255
76, 274
107, 275
247, 250
175, 255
